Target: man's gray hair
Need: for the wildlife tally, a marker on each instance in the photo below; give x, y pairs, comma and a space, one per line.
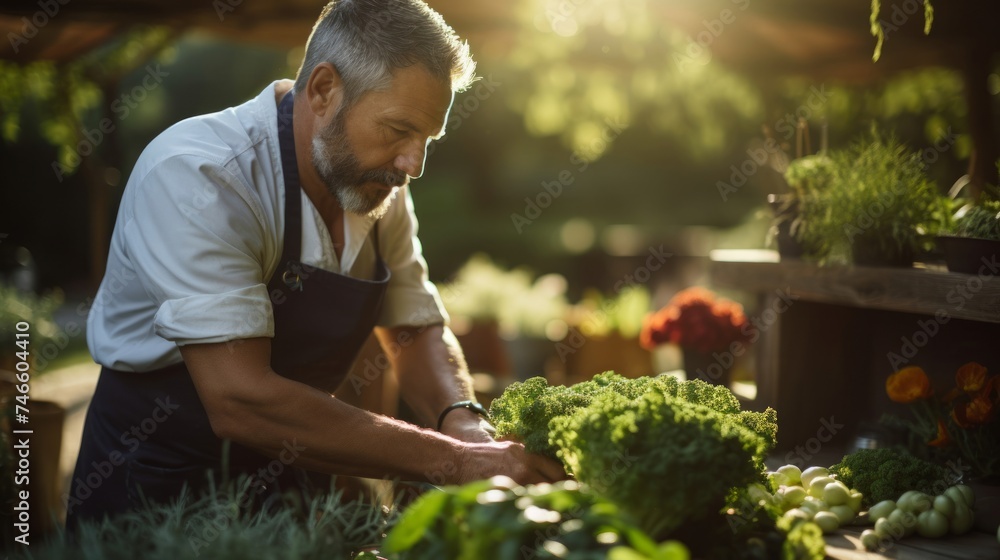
366, 40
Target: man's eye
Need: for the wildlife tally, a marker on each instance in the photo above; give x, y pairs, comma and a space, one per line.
398, 131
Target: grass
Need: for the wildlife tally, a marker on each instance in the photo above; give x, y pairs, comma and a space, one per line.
216, 527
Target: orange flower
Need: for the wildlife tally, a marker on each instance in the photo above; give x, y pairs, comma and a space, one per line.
976, 412
942, 439
908, 384
991, 390
971, 377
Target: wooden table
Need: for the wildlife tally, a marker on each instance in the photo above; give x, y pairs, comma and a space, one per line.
845, 544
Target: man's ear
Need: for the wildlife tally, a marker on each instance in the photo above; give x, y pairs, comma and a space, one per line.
325, 89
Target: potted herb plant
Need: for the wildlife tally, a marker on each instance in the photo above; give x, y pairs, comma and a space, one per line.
879, 208
807, 177
975, 235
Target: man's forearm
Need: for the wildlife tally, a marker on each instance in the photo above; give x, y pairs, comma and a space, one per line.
431, 369
268, 412
249, 403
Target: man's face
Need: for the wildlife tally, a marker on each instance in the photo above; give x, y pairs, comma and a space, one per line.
380, 142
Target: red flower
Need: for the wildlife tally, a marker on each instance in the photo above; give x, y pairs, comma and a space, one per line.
695, 319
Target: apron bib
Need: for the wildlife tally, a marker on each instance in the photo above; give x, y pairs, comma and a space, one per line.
147, 434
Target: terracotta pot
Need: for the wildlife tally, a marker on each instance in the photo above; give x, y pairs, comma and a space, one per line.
484, 349
597, 354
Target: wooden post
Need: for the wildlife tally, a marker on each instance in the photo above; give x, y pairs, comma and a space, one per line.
982, 163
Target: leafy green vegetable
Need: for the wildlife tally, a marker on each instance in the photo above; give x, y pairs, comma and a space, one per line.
803, 539
496, 519
659, 457
674, 457
525, 409
884, 474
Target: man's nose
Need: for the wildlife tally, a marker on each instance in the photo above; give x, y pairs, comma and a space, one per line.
411, 159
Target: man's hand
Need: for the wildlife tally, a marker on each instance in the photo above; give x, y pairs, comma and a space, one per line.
508, 458
465, 425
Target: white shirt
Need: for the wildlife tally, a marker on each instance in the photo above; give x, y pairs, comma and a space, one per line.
199, 233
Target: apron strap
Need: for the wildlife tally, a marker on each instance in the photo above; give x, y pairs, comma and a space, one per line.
292, 246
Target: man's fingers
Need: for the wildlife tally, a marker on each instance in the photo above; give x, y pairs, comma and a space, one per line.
552, 470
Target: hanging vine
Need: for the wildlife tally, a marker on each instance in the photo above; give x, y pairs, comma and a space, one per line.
878, 31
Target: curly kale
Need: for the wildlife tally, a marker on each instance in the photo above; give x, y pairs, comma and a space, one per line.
884, 474
667, 453
721, 399
525, 409
659, 457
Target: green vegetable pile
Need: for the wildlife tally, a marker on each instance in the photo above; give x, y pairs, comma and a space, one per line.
674, 456
885, 474
663, 458
498, 519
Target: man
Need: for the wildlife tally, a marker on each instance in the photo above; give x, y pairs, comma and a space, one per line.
254, 251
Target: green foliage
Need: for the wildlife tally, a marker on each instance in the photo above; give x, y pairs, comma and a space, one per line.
804, 540
588, 72
884, 474
481, 290
217, 527
666, 455
810, 175
661, 449
879, 33
981, 220
661, 458
64, 95
623, 313
17, 306
525, 409
879, 196
496, 519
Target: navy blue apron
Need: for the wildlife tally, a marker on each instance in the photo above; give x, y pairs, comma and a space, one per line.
147, 434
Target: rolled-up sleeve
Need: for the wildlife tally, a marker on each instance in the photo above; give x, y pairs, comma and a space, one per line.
198, 243
411, 299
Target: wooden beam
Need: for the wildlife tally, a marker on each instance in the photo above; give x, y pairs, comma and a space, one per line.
982, 163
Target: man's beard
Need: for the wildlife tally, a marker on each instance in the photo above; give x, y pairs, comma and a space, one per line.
340, 170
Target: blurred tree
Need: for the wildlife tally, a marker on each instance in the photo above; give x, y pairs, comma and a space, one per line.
586, 71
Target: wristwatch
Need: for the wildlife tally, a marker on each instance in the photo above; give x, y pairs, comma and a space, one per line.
471, 405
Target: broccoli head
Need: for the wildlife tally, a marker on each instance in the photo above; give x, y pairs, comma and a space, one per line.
885, 474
